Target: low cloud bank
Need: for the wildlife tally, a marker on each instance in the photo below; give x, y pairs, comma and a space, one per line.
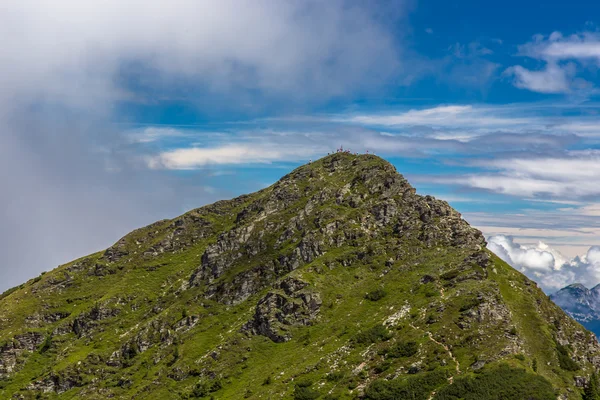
547, 266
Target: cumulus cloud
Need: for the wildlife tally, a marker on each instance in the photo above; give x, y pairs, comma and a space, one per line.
534, 259
546, 265
556, 46
564, 57
552, 79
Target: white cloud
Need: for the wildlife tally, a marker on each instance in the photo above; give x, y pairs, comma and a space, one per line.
570, 175
547, 266
536, 259
552, 79
581, 46
154, 134
190, 158
260, 146
558, 75
76, 51
441, 116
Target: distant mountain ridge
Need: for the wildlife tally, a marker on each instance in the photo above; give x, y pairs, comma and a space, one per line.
581, 303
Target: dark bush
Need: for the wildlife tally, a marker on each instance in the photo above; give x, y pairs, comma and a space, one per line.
403, 349
376, 294
384, 366
203, 389
564, 359
335, 376
592, 391
448, 276
469, 303
500, 382
415, 387
303, 391
378, 333
46, 345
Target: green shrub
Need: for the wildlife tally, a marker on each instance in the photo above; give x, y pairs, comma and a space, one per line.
303, 391
130, 351
500, 382
448, 276
403, 349
592, 391
415, 387
9, 291
46, 345
334, 376
305, 338
564, 359
384, 366
469, 303
203, 389
376, 294
304, 382
378, 333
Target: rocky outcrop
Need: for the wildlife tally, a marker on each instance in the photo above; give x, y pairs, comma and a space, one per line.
116, 252
57, 383
219, 256
85, 323
39, 320
181, 233
13, 349
294, 304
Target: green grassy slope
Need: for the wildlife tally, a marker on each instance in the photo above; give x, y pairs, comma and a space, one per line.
336, 282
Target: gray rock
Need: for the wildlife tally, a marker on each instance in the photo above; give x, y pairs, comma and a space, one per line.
277, 311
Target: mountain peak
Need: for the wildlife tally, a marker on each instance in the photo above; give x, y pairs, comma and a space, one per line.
346, 167
338, 279
576, 286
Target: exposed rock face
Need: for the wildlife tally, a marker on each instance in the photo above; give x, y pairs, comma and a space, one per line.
85, 322
56, 383
116, 252
39, 320
293, 305
391, 207
11, 351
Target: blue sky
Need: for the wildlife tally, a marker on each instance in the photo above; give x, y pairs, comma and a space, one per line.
120, 114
